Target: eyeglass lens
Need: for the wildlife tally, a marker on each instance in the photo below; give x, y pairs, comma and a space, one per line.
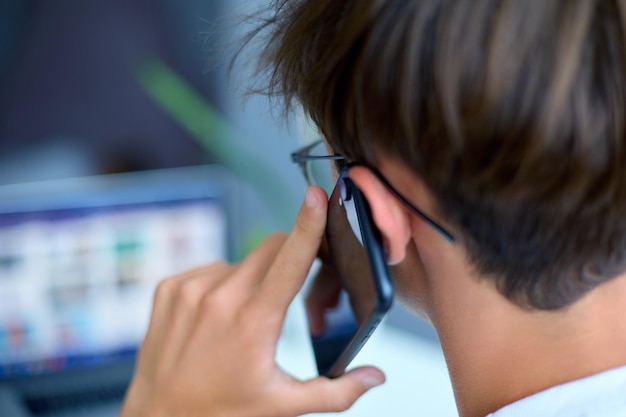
322, 172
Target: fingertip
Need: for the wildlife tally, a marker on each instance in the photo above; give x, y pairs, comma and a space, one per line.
322, 394
310, 199
311, 218
369, 376
315, 197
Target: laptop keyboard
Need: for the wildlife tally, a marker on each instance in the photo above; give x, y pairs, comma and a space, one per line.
46, 405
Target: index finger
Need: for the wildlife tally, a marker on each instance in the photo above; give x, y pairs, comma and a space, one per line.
293, 261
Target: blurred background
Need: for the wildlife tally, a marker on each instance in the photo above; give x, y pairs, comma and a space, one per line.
91, 88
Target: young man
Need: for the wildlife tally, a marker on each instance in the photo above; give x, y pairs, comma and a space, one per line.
504, 121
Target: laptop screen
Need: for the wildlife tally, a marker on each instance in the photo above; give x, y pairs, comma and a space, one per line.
78, 268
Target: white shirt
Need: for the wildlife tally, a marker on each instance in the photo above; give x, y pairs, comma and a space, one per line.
600, 395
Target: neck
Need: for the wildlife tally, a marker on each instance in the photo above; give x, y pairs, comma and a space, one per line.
498, 353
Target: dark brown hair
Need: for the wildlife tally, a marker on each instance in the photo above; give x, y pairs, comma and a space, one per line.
511, 111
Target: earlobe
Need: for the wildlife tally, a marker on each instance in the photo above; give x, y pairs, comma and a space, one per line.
389, 215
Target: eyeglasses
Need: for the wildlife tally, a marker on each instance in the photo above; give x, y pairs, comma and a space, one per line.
313, 161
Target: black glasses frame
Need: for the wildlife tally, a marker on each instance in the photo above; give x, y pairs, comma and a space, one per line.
302, 156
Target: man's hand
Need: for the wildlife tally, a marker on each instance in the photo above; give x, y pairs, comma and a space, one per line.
210, 347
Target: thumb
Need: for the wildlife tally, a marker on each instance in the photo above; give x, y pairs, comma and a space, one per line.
334, 395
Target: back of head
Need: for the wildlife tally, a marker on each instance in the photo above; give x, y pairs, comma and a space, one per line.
511, 111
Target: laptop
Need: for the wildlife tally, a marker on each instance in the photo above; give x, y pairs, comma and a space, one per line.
79, 261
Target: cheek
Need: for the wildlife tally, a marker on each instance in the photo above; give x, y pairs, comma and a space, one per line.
412, 286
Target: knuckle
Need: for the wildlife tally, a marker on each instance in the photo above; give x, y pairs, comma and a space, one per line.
213, 303
308, 228
205, 280
190, 292
164, 291
302, 226
208, 306
312, 225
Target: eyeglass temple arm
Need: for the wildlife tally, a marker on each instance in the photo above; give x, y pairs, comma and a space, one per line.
442, 231
301, 156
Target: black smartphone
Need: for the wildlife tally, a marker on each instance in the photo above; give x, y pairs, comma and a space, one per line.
356, 260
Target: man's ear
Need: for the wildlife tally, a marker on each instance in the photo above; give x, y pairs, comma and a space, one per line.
389, 215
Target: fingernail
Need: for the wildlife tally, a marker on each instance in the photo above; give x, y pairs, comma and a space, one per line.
371, 382
393, 262
310, 199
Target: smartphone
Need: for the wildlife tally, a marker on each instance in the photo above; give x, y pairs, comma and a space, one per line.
357, 262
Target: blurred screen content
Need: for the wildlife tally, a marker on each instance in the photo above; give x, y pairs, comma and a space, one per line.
76, 285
